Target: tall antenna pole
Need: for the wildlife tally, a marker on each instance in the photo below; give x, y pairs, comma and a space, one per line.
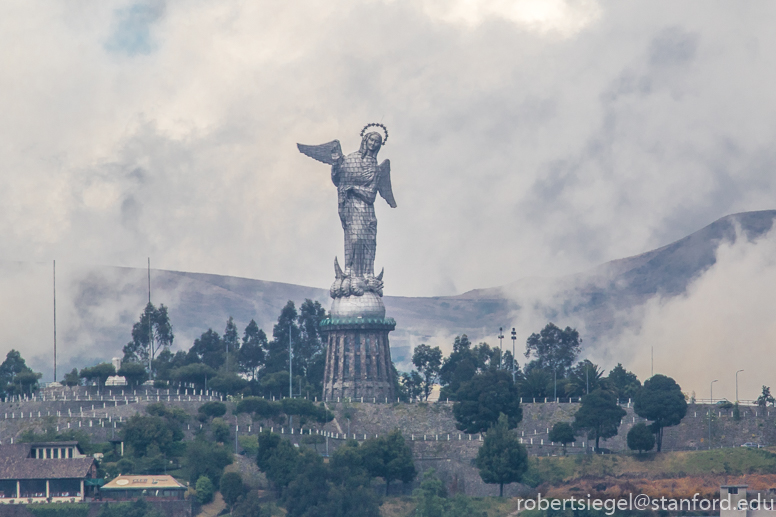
290, 377
55, 321
150, 328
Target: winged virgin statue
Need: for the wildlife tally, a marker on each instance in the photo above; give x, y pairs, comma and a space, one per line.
358, 179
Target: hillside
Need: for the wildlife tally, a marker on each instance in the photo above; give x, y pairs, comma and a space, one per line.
436, 443
97, 305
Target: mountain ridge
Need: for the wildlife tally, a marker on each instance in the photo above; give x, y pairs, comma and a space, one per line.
107, 300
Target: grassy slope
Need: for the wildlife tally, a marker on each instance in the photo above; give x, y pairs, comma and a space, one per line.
656, 474
677, 474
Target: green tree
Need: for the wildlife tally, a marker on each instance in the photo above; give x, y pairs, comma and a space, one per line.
765, 397
165, 362
277, 353
209, 349
309, 490
212, 409
250, 506
459, 366
536, 383
625, 384
138, 508
220, 430
15, 376
252, 351
480, 401
260, 407
135, 373
142, 431
13, 365
562, 433
231, 341
205, 490
640, 438
554, 349
152, 333
196, 374
411, 384
175, 416
72, 379
282, 464
205, 458
584, 378
309, 347
390, 458
98, 373
599, 415
227, 382
430, 497
660, 400
27, 381
232, 488
502, 459
268, 442
428, 362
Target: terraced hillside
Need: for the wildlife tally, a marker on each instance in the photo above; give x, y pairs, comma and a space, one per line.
429, 428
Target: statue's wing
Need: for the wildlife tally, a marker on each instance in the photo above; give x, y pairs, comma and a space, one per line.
384, 183
322, 152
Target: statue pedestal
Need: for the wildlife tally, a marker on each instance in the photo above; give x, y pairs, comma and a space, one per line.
358, 356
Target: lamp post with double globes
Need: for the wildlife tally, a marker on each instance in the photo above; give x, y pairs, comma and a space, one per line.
514, 338
501, 346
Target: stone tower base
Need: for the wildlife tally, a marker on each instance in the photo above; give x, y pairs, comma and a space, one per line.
358, 358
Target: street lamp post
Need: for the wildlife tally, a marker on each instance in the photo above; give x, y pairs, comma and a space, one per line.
737, 385
501, 344
711, 394
514, 338
587, 380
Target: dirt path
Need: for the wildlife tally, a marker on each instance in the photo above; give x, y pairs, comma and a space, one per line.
214, 508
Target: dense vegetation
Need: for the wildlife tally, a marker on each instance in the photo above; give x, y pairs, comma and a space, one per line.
485, 383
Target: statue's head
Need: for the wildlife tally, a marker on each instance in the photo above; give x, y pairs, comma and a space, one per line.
372, 141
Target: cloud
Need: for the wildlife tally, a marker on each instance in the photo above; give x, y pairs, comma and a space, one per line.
557, 16
527, 138
723, 323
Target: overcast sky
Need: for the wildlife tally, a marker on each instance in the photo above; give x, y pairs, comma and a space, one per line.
527, 138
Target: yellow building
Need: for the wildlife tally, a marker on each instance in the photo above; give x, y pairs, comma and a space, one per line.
150, 488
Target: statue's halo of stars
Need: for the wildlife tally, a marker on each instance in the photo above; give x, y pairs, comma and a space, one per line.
376, 124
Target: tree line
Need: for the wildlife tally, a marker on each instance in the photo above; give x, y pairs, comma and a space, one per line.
249, 363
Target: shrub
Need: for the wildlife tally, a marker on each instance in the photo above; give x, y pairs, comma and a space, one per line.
59, 510
213, 409
220, 430
640, 438
261, 407
250, 443
205, 490
232, 488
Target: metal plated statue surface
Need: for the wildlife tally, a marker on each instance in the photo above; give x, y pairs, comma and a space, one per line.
358, 179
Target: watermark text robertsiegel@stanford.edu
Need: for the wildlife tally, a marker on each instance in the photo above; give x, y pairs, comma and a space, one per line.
643, 502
